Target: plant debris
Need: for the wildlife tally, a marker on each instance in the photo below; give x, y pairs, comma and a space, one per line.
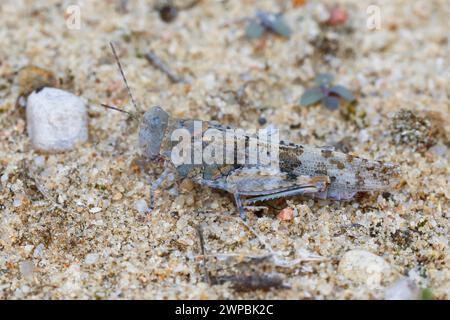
163, 67
252, 282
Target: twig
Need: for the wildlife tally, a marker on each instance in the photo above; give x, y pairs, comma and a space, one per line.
252, 282
163, 67
202, 248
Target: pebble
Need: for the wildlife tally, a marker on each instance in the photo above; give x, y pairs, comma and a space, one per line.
402, 289
287, 214
117, 196
438, 149
338, 16
39, 161
91, 258
56, 120
26, 269
363, 267
363, 136
17, 202
141, 206
38, 252
95, 210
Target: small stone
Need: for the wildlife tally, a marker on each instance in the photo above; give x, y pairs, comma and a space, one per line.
338, 16
402, 289
439, 150
187, 185
17, 202
56, 120
95, 210
39, 161
38, 251
91, 258
363, 267
209, 81
262, 121
363, 136
117, 196
26, 269
141, 206
168, 13
214, 205
287, 214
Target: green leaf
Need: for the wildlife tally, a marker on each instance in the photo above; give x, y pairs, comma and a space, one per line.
279, 27
254, 30
331, 103
342, 92
311, 96
324, 79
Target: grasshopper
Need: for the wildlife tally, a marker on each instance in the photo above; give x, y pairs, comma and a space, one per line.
316, 172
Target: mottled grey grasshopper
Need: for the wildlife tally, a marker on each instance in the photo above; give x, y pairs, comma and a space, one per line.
316, 172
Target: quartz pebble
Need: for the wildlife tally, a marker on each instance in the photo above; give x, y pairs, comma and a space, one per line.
402, 289
363, 267
91, 258
287, 214
56, 120
26, 269
141, 206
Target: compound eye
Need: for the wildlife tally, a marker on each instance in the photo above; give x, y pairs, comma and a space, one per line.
155, 122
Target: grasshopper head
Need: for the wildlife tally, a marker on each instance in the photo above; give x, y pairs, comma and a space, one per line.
151, 133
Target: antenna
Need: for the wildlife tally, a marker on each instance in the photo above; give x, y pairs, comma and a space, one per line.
124, 79
117, 109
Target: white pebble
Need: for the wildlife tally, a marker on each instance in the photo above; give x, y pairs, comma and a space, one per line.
402, 289
439, 150
363, 136
141, 206
39, 161
95, 210
26, 269
209, 81
38, 252
91, 258
17, 202
363, 267
56, 120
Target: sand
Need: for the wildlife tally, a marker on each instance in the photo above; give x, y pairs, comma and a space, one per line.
72, 226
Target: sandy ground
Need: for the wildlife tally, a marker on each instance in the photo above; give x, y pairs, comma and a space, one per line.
69, 224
